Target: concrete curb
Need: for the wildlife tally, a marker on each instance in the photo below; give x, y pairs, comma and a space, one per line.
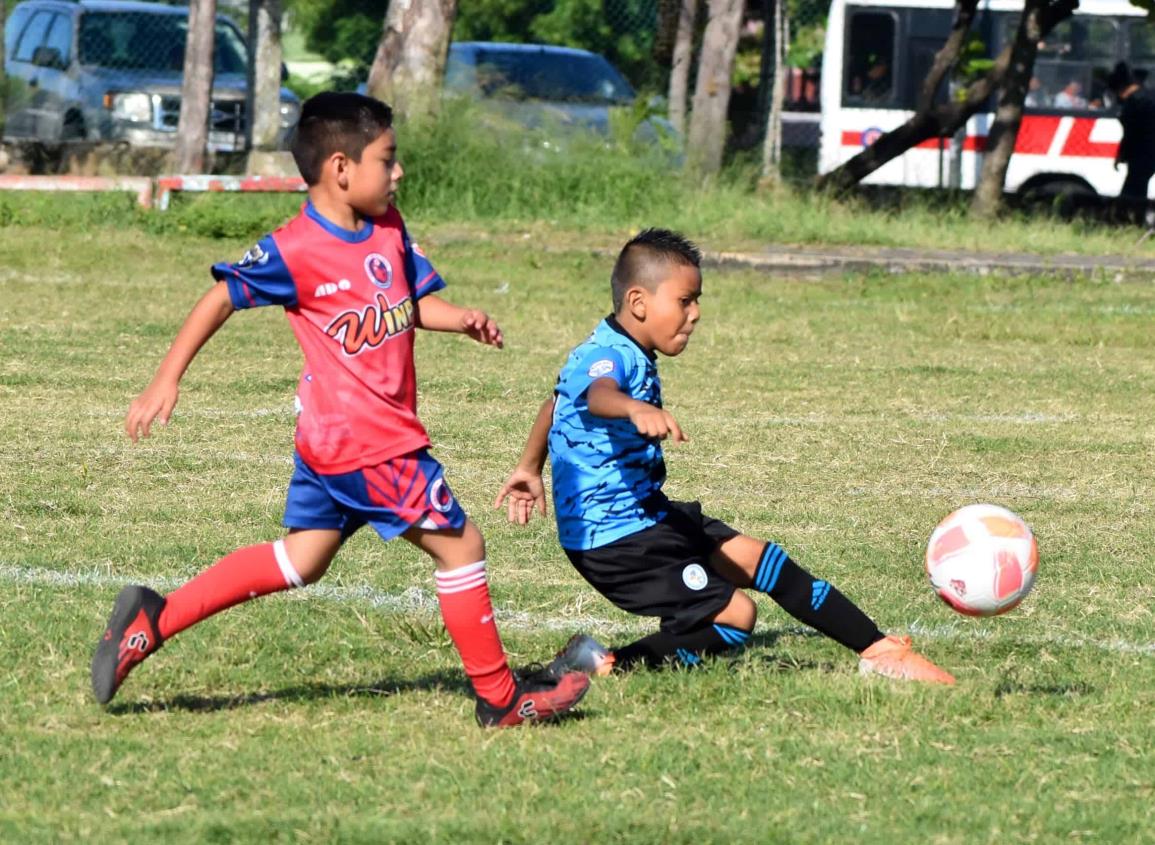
791, 259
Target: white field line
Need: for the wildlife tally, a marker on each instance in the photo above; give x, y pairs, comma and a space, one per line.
418, 600
1026, 418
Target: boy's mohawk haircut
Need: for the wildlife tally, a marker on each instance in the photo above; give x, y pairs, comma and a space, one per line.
336, 122
650, 249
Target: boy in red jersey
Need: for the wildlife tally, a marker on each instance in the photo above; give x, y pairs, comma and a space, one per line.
354, 289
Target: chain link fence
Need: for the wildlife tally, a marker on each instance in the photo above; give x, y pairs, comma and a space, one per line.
81, 76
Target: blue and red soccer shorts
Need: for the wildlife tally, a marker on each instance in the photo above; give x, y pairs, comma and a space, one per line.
406, 491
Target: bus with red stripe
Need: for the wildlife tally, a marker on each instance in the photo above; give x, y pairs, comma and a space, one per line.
878, 52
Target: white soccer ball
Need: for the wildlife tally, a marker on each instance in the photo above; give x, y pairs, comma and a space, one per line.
982, 560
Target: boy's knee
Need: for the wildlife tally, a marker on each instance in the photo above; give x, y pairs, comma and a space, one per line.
740, 613
310, 552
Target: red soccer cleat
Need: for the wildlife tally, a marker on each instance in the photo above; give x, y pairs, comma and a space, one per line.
130, 637
535, 699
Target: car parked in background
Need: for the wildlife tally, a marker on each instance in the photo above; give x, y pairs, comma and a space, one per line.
559, 90
110, 71
544, 86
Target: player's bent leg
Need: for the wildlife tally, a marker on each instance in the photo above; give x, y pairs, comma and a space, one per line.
821, 606
726, 631
810, 600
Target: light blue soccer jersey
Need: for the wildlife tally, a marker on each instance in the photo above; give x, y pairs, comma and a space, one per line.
607, 478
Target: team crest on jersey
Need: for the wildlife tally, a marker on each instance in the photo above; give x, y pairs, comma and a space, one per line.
379, 270
368, 328
440, 497
601, 368
255, 256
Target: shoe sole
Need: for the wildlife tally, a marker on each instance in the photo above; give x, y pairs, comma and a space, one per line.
865, 668
106, 659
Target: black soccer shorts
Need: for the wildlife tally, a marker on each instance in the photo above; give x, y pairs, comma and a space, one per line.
663, 570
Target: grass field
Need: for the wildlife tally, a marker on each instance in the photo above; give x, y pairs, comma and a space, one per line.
842, 416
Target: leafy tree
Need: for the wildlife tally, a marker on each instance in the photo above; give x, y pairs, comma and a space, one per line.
341, 30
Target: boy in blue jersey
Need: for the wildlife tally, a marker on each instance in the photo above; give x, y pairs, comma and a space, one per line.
647, 554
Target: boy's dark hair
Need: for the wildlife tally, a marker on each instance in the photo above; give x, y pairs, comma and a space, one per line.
1120, 78
336, 122
642, 259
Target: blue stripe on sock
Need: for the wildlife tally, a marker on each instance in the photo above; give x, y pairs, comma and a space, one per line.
688, 657
769, 567
732, 636
819, 590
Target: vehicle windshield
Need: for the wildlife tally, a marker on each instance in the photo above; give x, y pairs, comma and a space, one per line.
546, 75
141, 41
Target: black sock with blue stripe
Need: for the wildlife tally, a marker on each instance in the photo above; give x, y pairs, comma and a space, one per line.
687, 649
812, 600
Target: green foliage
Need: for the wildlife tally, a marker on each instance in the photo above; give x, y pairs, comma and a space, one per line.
974, 61
342, 30
621, 30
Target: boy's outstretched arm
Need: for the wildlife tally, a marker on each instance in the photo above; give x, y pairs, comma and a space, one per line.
435, 314
160, 397
605, 399
524, 487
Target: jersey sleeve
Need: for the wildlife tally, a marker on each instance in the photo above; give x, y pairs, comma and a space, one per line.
261, 277
423, 279
597, 362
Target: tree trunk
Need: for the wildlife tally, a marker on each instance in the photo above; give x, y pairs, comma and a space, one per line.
3, 75
196, 89
680, 64
707, 136
942, 120
772, 143
410, 62
988, 198
264, 73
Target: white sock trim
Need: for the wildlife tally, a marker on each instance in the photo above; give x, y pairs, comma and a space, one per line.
286, 565
462, 579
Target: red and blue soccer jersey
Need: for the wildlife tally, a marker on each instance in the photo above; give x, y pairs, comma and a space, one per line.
350, 298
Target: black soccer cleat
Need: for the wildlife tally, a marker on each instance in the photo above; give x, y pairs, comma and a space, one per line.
535, 699
130, 637
581, 654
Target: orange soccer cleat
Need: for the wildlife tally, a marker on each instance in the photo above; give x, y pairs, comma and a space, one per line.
893, 657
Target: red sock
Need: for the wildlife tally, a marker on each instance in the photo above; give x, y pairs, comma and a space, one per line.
245, 574
468, 615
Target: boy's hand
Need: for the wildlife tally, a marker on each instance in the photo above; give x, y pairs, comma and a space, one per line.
525, 492
157, 400
656, 423
481, 327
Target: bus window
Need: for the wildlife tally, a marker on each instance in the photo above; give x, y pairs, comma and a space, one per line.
870, 60
1141, 52
1072, 64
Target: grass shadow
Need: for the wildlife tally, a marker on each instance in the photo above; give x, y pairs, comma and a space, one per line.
443, 681
1068, 690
